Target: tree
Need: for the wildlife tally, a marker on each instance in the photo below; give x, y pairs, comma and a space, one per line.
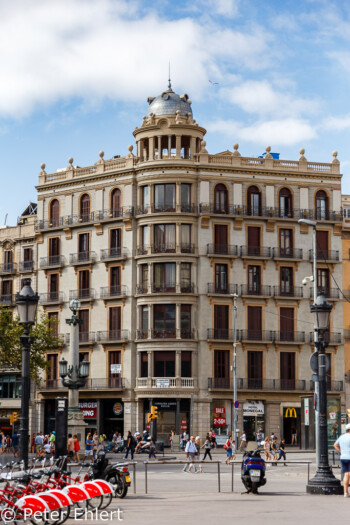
44, 340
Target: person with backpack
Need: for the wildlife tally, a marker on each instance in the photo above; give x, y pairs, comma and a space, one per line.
130, 445
207, 447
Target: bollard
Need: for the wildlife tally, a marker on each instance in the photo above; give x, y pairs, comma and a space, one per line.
134, 477
219, 488
232, 482
145, 478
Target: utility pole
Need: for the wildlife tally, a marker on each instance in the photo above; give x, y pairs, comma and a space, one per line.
234, 368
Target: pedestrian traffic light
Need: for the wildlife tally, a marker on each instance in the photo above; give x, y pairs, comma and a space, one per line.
154, 411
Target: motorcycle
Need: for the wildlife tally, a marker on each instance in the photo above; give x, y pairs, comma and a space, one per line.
117, 474
253, 471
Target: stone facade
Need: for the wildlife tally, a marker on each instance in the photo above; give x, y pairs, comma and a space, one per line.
155, 244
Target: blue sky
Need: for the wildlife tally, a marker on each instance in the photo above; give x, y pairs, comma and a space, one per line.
75, 76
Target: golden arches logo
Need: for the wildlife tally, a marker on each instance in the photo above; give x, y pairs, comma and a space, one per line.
291, 412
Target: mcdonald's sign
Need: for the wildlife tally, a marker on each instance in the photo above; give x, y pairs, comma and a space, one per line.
290, 412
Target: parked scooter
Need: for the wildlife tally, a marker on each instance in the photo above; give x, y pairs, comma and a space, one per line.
117, 474
253, 471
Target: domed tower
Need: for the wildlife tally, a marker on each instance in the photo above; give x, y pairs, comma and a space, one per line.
168, 131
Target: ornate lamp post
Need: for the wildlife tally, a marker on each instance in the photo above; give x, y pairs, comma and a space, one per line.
27, 302
75, 374
324, 482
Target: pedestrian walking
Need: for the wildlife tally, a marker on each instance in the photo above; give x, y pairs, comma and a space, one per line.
191, 451
229, 449
184, 437
130, 445
32, 443
152, 448
274, 448
70, 447
212, 438
76, 448
95, 444
267, 448
198, 455
15, 444
207, 448
89, 445
243, 443
171, 439
342, 445
39, 440
282, 450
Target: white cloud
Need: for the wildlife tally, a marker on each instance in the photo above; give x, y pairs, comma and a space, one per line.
261, 98
281, 132
108, 48
336, 123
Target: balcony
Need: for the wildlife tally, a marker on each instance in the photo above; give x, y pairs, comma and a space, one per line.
291, 292
165, 382
112, 292
164, 248
289, 336
329, 293
51, 298
124, 212
186, 287
215, 383
257, 291
113, 254
256, 335
165, 334
112, 336
186, 247
26, 266
83, 294
229, 289
53, 261
325, 255
7, 300
91, 383
262, 252
223, 334
222, 249
82, 258
332, 386
141, 289
163, 288
49, 224
9, 268
142, 249
331, 338
290, 253
84, 338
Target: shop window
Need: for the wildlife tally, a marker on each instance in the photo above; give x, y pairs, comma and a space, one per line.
186, 368
164, 364
85, 208
54, 212
185, 321
221, 369
255, 369
221, 280
322, 205
220, 199
286, 242
287, 370
254, 201
286, 207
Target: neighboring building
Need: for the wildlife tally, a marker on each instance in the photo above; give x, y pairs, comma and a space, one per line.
17, 261
346, 291
155, 244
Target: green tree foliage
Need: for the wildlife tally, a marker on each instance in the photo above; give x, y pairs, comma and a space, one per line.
44, 340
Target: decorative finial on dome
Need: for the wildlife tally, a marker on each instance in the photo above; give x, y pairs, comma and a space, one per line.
335, 160
101, 154
236, 153
302, 158
43, 166
71, 160
268, 154
169, 81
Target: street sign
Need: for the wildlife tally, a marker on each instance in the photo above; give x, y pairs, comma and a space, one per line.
236, 404
219, 421
314, 362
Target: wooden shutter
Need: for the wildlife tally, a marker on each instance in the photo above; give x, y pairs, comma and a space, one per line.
254, 323
114, 319
255, 369
220, 234
287, 370
253, 240
221, 321
287, 324
322, 244
221, 369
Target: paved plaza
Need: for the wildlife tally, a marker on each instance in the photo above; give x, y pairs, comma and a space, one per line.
177, 498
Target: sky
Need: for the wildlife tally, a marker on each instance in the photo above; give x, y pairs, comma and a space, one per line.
75, 76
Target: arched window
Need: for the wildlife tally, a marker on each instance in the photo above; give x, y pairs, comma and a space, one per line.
115, 202
85, 208
321, 205
54, 212
254, 201
286, 207
220, 199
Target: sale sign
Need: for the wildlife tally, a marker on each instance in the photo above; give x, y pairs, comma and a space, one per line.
219, 421
219, 410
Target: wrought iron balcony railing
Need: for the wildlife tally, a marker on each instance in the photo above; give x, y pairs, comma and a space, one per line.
51, 297
289, 336
287, 253
256, 335
82, 293
84, 338
225, 289
8, 268
325, 255
329, 293
112, 291
329, 337
26, 266
52, 261
7, 299
256, 251
114, 253
222, 249
288, 291
82, 257
111, 336
258, 290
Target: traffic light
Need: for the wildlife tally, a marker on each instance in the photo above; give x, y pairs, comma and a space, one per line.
154, 411
149, 417
13, 417
348, 411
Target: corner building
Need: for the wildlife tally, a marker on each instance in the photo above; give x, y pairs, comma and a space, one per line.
154, 244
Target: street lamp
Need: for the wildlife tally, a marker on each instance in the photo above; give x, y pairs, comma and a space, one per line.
27, 302
324, 482
74, 373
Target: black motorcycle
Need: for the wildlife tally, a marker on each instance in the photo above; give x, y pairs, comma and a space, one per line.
117, 474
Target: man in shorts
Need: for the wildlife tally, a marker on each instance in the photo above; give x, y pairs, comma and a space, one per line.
342, 445
15, 444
